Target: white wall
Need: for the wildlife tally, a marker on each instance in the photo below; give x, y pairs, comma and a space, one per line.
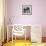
1, 20
38, 12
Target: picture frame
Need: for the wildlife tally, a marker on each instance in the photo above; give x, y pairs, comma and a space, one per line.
26, 9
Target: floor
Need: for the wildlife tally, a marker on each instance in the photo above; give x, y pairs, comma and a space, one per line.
18, 43
23, 43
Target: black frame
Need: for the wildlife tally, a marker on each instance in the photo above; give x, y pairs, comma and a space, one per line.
30, 6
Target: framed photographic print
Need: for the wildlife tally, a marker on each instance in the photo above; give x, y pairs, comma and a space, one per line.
26, 9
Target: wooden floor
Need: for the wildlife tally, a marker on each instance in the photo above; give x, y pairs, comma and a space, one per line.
23, 43
18, 43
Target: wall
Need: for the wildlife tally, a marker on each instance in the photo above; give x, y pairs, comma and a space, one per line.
38, 16
1, 20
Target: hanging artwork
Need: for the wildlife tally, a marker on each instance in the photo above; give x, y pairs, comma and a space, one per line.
26, 9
